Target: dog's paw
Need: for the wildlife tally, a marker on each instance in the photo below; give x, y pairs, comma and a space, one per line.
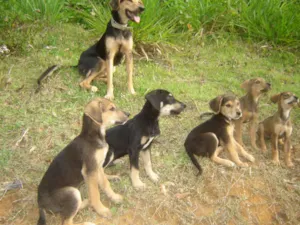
104, 212
230, 164
109, 96
94, 89
276, 162
132, 91
116, 198
251, 158
242, 164
290, 164
154, 177
139, 185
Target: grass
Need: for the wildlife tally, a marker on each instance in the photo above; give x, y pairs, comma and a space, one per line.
195, 73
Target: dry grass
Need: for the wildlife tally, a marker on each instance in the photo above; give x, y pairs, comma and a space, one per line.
261, 194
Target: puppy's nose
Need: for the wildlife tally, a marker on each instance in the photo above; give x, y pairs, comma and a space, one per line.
239, 113
183, 105
127, 114
269, 84
142, 8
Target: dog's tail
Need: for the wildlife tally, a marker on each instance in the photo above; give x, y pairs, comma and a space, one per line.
47, 73
42, 218
195, 162
206, 114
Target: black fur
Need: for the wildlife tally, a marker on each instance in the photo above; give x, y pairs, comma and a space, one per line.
126, 139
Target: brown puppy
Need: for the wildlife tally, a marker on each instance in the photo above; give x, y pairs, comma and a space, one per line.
216, 134
249, 104
81, 160
279, 126
99, 60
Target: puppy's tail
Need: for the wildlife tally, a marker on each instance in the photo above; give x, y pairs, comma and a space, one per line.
206, 114
47, 73
42, 218
195, 162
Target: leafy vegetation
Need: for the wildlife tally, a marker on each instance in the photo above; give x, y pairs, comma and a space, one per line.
273, 21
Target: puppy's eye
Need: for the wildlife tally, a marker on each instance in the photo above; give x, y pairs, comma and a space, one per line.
228, 105
257, 81
286, 95
112, 109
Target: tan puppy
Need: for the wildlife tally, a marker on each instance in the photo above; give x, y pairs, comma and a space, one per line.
279, 126
249, 103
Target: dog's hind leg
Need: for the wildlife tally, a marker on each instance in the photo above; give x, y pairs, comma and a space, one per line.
243, 152
217, 159
69, 201
129, 68
86, 83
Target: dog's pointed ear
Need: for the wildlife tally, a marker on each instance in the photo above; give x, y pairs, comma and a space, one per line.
275, 98
155, 99
215, 104
115, 4
94, 111
245, 85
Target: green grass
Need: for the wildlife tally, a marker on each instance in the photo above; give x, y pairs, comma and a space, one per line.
195, 73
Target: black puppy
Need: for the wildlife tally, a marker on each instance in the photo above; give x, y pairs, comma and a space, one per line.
216, 134
135, 137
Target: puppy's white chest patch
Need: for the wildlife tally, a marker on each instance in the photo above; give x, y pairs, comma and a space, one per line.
146, 141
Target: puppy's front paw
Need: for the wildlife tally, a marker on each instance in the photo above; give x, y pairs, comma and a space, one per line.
104, 212
139, 184
230, 164
251, 158
154, 177
88, 223
94, 89
109, 96
290, 164
276, 162
242, 164
116, 198
132, 91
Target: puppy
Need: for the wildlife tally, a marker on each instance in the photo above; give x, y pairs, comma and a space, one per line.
216, 134
135, 137
279, 126
249, 104
81, 160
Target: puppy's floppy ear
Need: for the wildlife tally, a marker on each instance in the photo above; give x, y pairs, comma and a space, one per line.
114, 4
246, 84
275, 98
154, 97
94, 111
215, 104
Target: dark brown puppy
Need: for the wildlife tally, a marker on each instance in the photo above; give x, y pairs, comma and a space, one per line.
99, 60
81, 160
249, 104
216, 134
279, 126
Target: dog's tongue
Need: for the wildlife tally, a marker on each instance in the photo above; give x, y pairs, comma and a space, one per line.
137, 19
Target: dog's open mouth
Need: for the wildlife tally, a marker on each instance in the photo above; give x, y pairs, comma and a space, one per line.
173, 112
133, 16
264, 90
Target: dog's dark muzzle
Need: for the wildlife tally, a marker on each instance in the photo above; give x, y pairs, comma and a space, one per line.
141, 9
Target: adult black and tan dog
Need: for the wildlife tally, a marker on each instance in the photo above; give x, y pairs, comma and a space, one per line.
216, 134
134, 138
81, 160
99, 60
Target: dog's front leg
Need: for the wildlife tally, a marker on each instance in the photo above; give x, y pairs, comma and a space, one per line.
110, 71
275, 153
231, 147
129, 68
105, 185
243, 152
252, 131
92, 181
287, 151
134, 169
146, 156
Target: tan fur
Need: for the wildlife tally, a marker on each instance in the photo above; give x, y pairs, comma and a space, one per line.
249, 104
279, 126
